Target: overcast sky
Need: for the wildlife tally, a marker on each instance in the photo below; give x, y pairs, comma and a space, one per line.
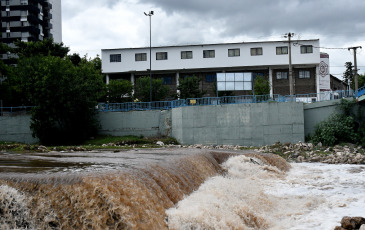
92, 25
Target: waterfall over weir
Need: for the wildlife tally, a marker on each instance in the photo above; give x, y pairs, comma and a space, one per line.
135, 198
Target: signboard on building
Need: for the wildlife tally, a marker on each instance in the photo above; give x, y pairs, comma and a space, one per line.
234, 81
324, 73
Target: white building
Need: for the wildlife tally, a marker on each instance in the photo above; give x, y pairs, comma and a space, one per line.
270, 59
56, 20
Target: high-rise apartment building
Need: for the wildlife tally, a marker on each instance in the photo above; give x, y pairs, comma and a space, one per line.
30, 20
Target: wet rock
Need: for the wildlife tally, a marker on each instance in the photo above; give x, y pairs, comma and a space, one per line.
339, 228
352, 222
160, 143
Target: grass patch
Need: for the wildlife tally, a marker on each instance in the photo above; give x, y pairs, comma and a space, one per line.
130, 140
98, 143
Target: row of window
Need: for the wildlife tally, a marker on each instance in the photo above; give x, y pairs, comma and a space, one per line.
211, 53
302, 74
167, 80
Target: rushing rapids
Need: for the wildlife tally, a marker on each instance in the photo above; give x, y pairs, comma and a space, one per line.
134, 198
172, 189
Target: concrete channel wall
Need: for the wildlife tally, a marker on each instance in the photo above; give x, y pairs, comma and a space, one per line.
243, 124
317, 112
16, 129
239, 124
146, 123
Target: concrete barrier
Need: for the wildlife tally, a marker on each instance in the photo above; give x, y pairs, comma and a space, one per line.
16, 129
242, 124
236, 124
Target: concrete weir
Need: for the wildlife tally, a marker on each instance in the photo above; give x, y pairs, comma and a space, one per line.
236, 124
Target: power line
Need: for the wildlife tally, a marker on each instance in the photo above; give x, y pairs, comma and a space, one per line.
320, 47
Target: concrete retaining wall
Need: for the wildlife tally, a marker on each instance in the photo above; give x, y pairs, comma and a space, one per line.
16, 129
244, 124
317, 112
146, 123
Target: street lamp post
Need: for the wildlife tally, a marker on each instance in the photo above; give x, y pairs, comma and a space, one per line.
150, 15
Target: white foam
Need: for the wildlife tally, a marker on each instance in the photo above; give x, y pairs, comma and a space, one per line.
251, 196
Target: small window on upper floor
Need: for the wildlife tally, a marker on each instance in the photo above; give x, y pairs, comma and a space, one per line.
281, 75
256, 51
304, 74
233, 52
208, 53
115, 58
186, 54
281, 50
141, 57
161, 56
306, 49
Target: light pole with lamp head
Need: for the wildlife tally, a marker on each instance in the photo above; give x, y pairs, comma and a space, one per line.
150, 15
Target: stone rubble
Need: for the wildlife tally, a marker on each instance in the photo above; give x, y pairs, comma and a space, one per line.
352, 223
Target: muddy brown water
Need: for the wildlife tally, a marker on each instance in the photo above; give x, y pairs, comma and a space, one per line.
102, 190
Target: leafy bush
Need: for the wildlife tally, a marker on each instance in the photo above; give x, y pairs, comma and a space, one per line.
336, 129
64, 95
142, 89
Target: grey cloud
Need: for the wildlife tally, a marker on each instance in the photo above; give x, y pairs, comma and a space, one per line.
328, 17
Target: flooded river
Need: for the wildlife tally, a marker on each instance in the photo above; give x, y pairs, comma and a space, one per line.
174, 189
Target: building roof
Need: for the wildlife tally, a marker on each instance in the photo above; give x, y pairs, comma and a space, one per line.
209, 44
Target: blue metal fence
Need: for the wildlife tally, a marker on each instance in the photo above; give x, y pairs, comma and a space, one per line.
15, 111
360, 91
166, 105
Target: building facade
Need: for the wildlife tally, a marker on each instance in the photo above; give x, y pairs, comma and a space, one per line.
227, 67
30, 20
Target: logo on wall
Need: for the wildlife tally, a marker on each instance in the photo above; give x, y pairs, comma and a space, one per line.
323, 69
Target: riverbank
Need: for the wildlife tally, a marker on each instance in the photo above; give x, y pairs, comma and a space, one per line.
299, 152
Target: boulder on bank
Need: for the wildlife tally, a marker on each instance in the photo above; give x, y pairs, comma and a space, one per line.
352, 223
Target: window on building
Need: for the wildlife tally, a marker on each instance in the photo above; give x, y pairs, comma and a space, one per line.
281, 50
210, 78
161, 56
8, 35
167, 80
141, 57
115, 57
7, 13
281, 75
256, 51
306, 49
208, 53
7, 2
186, 54
304, 74
233, 52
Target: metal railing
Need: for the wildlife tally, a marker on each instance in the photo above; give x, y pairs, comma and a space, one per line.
360, 91
166, 105
15, 111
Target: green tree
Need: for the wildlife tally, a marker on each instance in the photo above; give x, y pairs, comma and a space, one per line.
75, 58
119, 91
189, 87
65, 97
142, 89
261, 86
361, 80
348, 75
44, 48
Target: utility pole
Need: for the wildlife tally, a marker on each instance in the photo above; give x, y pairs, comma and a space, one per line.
291, 81
355, 67
150, 15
